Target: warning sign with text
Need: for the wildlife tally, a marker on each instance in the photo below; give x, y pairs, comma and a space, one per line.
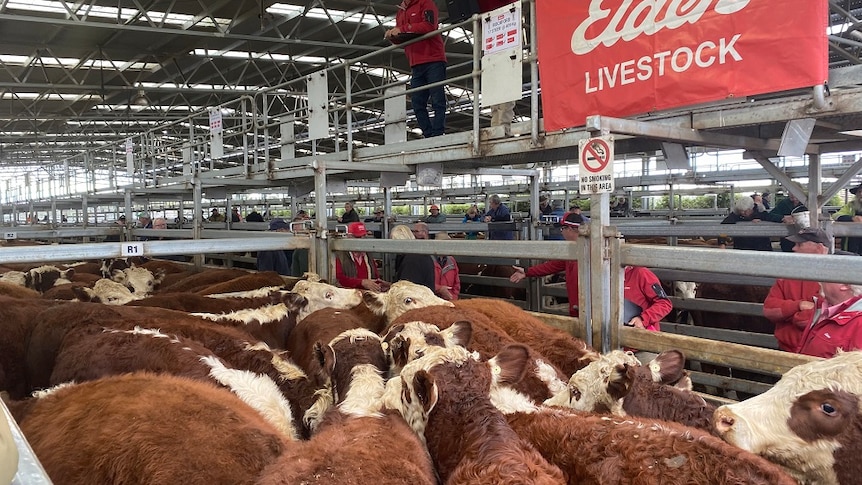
596, 165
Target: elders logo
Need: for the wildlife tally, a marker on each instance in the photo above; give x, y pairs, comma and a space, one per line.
628, 57
647, 17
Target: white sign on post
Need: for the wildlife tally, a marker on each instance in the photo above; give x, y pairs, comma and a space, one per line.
596, 165
131, 249
501, 29
10, 235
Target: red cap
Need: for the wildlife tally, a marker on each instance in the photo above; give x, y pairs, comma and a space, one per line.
357, 229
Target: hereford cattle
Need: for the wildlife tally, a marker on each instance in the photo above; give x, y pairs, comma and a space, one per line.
252, 281
566, 352
166, 267
112, 352
357, 442
233, 345
446, 394
320, 327
17, 321
409, 341
618, 384
145, 428
203, 279
809, 422
40, 279
596, 450
14, 290
486, 337
106, 291
402, 297
139, 281
270, 323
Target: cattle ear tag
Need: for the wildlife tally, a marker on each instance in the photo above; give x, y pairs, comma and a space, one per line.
654, 367
496, 370
384, 345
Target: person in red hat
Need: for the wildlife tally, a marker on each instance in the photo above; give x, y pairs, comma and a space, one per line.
568, 226
354, 269
436, 216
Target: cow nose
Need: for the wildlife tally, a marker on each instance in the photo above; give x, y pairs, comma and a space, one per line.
723, 420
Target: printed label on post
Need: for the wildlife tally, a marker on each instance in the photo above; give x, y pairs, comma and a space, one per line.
131, 249
10, 235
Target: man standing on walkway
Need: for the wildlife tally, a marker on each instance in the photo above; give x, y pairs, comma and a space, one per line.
427, 59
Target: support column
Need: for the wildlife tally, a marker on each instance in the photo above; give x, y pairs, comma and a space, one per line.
319, 254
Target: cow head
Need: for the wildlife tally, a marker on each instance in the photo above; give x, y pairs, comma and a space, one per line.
808, 422
685, 289
109, 266
409, 341
402, 297
43, 278
322, 295
140, 281
106, 291
600, 385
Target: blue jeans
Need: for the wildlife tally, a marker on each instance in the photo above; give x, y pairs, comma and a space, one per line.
430, 72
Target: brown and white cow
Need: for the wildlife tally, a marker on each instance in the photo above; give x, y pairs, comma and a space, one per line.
446, 394
139, 281
402, 296
809, 422
146, 428
40, 278
357, 442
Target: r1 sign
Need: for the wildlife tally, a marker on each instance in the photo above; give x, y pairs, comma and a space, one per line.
596, 165
131, 249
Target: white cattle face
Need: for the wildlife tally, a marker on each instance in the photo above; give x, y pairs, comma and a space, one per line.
110, 293
140, 281
593, 387
323, 295
808, 422
402, 297
409, 341
685, 289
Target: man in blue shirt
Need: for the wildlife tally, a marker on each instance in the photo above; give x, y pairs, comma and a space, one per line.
497, 212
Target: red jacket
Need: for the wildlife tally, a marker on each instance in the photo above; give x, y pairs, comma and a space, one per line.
640, 289
420, 17
781, 307
556, 266
838, 327
447, 275
362, 273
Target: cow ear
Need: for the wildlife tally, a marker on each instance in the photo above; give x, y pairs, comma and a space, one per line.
668, 367
158, 276
399, 348
461, 332
393, 330
510, 365
426, 390
293, 301
325, 358
376, 302
69, 273
117, 274
620, 380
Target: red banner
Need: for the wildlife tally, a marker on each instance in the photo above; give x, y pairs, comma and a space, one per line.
625, 57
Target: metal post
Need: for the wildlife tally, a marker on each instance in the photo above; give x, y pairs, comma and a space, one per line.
348, 92
600, 270
477, 86
197, 221
814, 203
319, 254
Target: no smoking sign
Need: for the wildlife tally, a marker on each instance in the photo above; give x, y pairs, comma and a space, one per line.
596, 165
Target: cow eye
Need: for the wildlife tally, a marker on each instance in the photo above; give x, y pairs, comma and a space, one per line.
576, 393
828, 409
408, 300
328, 295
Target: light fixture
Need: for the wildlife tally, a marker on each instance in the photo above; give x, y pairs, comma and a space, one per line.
141, 99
